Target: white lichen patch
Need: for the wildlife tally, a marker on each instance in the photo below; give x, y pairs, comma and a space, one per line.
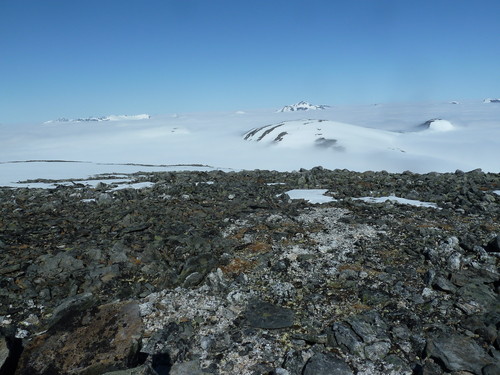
312, 257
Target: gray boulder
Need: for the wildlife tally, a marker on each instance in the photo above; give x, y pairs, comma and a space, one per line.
326, 364
458, 353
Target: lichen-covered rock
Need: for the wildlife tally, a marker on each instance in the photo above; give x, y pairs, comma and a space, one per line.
100, 340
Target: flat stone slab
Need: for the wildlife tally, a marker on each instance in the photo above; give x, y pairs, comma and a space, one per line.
326, 364
260, 314
458, 353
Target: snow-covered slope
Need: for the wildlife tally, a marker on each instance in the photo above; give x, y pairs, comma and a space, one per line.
437, 125
392, 137
301, 106
323, 134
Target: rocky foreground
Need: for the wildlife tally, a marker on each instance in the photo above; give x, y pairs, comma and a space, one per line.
222, 273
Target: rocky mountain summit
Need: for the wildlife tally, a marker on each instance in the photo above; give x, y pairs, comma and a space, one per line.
223, 273
302, 106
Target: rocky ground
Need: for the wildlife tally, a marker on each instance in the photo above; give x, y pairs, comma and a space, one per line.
222, 273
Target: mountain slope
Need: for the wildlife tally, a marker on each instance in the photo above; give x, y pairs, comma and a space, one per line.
322, 134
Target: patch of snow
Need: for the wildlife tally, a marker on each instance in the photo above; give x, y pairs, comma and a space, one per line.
21, 333
393, 198
496, 192
112, 181
128, 117
310, 195
136, 185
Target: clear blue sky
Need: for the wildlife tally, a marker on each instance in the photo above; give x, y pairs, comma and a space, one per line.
84, 57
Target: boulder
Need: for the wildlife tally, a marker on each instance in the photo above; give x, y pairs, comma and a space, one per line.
326, 364
100, 340
10, 350
494, 245
458, 353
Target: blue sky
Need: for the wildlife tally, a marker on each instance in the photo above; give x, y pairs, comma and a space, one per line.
62, 58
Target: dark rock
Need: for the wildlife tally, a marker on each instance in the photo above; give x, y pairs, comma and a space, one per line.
428, 368
98, 341
200, 264
294, 362
326, 364
419, 344
192, 279
397, 363
481, 295
10, 351
104, 199
492, 369
369, 326
442, 284
494, 245
118, 253
377, 350
457, 353
401, 332
140, 370
56, 266
429, 277
4, 351
71, 305
261, 369
173, 341
10, 269
364, 335
260, 314
345, 338
374, 297
186, 368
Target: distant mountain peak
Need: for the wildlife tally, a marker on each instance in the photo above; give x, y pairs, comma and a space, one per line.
102, 118
491, 100
302, 106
